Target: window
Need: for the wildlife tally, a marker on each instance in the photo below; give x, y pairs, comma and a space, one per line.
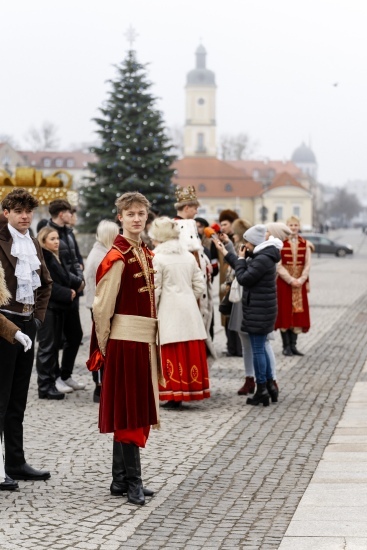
255, 174
70, 163
59, 163
47, 163
296, 210
228, 187
201, 146
202, 187
202, 211
6, 160
279, 212
201, 101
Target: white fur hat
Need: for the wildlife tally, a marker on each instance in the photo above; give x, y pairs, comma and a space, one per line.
164, 229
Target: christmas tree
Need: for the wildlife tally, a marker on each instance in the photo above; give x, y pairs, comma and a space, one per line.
135, 152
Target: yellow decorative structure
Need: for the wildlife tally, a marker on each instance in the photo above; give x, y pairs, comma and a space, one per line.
44, 188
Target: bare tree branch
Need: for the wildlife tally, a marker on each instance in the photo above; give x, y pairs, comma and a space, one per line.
236, 147
43, 139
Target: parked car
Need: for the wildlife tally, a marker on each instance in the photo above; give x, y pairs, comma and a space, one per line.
324, 245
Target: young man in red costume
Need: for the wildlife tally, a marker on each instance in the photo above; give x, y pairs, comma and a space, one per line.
293, 271
126, 326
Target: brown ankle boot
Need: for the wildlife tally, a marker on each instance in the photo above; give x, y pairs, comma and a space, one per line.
248, 387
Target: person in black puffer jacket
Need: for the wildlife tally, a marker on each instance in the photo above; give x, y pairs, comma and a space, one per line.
257, 275
64, 291
61, 215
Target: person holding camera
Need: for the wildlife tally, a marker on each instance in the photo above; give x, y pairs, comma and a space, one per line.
257, 276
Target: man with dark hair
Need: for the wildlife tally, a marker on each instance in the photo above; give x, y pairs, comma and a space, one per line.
29, 283
124, 339
61, 215
226, 219
71, 225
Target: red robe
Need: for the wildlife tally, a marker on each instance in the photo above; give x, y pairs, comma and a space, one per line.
293, 309
127, 398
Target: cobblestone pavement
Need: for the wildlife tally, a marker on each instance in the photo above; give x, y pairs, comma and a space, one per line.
226, 475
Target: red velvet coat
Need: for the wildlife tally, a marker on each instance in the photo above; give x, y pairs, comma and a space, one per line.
127, 399
288, 315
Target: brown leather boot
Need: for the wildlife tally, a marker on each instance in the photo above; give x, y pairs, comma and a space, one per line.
248, 387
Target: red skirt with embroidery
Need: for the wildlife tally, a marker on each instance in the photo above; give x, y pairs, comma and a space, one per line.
185, 369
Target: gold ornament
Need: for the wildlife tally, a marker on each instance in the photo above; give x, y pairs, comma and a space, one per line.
185, 194
45, 189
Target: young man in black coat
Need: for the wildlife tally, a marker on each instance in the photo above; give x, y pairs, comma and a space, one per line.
61, 214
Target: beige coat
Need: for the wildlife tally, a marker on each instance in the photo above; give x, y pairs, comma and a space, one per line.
179, 284
7, 328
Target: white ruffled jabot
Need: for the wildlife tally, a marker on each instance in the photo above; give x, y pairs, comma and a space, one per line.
27, 262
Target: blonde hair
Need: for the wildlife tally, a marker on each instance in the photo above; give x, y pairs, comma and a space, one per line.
128, 199
106, 233
294, 219
42, 236
44, 233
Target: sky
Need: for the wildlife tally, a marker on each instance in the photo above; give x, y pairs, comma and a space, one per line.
287, 71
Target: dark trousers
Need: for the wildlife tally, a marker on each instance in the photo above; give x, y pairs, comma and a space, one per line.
50, 337
73, 335
15, 373
234, 346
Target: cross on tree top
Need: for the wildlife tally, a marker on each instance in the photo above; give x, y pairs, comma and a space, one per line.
131, 35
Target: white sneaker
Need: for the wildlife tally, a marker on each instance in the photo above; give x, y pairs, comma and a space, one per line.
62, 387
74, 385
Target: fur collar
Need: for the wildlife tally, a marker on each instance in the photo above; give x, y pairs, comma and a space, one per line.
173, 246
4, 292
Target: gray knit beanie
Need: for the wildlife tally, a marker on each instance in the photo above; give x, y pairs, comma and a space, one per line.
255, 235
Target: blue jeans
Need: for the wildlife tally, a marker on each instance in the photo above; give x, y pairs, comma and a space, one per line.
261, 358
248, 357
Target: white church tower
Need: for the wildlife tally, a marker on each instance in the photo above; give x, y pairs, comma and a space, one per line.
200, 129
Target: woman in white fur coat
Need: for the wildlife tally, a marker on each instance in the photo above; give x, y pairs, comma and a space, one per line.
179, 284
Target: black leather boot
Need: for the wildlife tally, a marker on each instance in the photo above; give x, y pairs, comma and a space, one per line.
293, 340
261, 396
286, 343
131, 454
9, 484
119, 481
273, 390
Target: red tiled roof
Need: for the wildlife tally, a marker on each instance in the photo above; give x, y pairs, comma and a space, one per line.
263, 167
284, 180
36, 158
214, 178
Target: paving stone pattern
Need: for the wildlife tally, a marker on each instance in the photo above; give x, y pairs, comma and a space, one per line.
226, 475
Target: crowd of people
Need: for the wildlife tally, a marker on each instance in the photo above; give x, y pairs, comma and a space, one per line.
148, 282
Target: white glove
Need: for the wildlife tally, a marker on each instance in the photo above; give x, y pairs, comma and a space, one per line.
23, 339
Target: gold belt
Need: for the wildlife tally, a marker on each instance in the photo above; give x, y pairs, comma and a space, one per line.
134, 328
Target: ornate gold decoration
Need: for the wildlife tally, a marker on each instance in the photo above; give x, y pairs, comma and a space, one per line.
184, 194
44, 188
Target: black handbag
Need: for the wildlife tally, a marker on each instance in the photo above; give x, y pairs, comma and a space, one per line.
225, 306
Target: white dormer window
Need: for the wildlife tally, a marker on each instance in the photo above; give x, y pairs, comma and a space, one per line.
47, 163
70, 163
59, 163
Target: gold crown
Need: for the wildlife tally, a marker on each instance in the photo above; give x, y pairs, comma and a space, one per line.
185, 194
